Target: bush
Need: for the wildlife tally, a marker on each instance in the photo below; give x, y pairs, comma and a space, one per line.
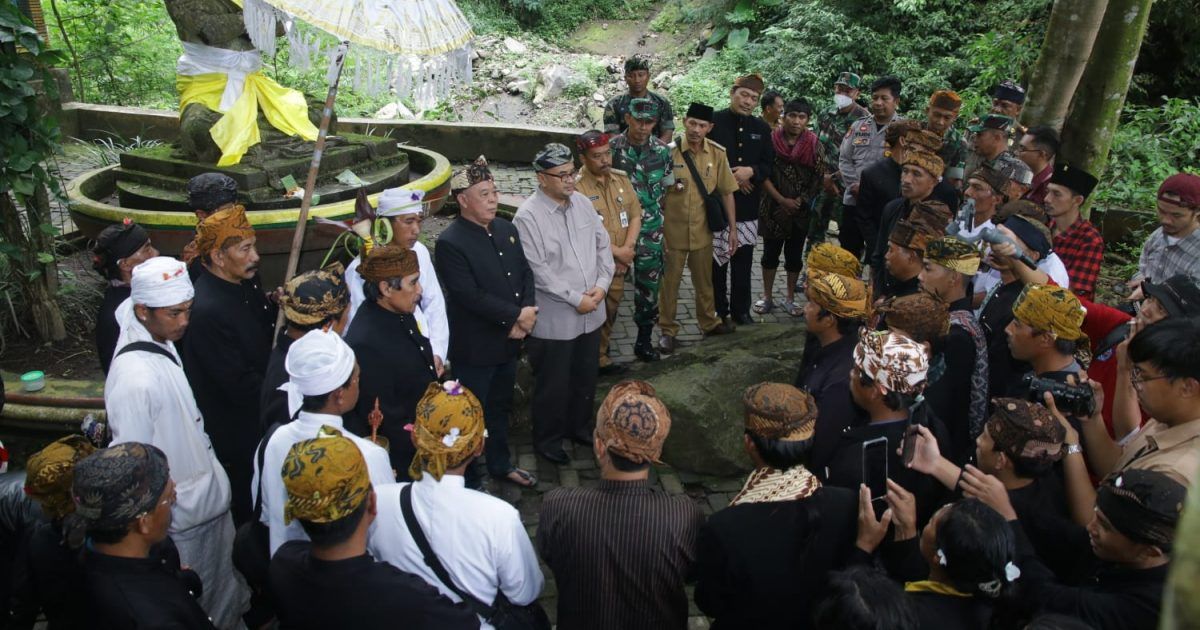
1151, 144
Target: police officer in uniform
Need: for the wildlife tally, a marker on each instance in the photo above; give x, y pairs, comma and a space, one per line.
862, 145
832, 125
647, 161
612, 194
747, 142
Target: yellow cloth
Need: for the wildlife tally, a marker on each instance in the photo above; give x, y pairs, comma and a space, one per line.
845, 297
326, 478
448, 428
929, 586
953, 254
222, 229
49, 473
237, 130
829, 258
1051, 309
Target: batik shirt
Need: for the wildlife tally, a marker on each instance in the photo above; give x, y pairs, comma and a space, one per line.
649, 168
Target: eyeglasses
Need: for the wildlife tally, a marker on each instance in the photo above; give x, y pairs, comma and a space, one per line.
1021, 149
1137, 377
564, 177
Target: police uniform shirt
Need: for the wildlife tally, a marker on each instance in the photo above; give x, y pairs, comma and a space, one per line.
862, 145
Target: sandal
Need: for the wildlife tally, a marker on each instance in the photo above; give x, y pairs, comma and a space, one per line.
525, 479
794, 309
764, 306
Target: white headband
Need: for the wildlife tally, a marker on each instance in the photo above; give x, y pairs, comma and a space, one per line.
161, 281
397, 201
317, 363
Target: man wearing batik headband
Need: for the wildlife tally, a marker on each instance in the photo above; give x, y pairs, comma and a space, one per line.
647, 161
747, 141
836, 308
689, 238
119, 248
490, 301
206, 193
957, 392
322, 386
1045, 332
313, 300
829, 258
762, 564
886, 382
405, 211
228, 344
478, 538
621, 552
903, 260
1020, 446
330, 494
616, 201
564, 347
637, 78
396, 358
148, 399
920, 317
940, 115
1132, 531
133, 577
48, 576
986, 188
920, 176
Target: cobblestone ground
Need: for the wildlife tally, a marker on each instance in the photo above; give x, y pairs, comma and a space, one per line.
710, 493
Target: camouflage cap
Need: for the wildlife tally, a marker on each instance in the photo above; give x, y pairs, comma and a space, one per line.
643, 109
849, 79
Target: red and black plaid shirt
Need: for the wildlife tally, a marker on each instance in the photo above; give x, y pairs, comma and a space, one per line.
1081, 249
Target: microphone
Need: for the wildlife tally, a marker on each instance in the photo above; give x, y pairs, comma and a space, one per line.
995, 237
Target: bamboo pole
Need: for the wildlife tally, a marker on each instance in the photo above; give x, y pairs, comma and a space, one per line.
335, 75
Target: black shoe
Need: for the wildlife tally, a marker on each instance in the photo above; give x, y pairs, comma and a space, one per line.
558, 456
729, 323
612, 369
743, 319
645, 351
583, 440
666, 344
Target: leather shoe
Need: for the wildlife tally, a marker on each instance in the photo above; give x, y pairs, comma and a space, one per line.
729, 323
666, 344
583, 440
645, 351
558, 456
720, 329
612, 369
743, 319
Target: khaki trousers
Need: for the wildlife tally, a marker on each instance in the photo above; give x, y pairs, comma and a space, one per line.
699, 263
612, 300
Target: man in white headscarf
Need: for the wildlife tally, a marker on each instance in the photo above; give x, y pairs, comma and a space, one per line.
405, 209
148, 399
322, 385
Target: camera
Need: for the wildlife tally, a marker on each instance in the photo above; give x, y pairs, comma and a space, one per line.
1072, 400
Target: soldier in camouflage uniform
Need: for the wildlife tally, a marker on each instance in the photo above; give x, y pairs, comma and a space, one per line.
991, 144
647, 161
940, 116
832, 125
637, 77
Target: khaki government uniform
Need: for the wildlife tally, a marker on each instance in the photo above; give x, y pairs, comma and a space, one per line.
611, 200
688, 239
1160, 447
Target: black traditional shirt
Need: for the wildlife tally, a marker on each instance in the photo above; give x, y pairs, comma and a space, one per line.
747, 142
151, 592
107, 328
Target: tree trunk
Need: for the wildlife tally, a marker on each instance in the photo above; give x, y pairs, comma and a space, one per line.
1096, 109
1069, 37
38, 281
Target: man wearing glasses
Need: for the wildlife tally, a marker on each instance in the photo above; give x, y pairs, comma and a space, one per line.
1037, 149
568, 250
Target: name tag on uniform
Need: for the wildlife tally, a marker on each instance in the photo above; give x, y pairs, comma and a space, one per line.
593, 197
624, 219
860, 141
756, 136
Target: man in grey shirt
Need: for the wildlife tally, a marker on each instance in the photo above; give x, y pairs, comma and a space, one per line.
862, 145
567, 248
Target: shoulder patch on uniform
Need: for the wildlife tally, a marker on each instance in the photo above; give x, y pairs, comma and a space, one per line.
618, 171
714, 144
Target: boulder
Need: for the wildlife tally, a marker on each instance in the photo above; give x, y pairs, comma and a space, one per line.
518, 87
394, 109
702, 386
515, 46
551, 82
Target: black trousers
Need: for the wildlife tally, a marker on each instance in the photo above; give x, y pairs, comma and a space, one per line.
493, 386
564, 388
735, 300
792, 249
850, 231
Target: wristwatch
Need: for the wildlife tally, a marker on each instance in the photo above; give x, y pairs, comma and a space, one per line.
1073, 449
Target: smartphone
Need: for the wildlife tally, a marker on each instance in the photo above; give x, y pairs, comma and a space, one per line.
875, 467
909, 446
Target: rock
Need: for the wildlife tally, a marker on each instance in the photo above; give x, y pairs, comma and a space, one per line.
519, 87
515, 47
496, 73
598, 97
709, 52
394, 110
702, 385
661, 78
551, 82
604, 26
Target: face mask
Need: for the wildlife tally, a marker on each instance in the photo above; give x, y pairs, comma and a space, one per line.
842, 101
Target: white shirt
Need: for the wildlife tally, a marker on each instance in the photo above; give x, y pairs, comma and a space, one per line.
477, 537
305, 427
148, 399
430, 313
1051, 265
